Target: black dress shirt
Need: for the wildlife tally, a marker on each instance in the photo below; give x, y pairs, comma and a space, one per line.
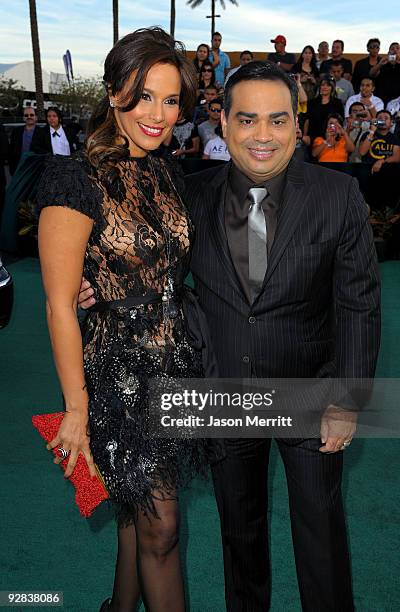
236, 210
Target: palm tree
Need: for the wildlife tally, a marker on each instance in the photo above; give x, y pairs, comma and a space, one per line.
37, 64
115, 20
196, 3
172, 18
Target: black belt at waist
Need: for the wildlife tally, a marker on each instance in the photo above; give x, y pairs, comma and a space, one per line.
131, 301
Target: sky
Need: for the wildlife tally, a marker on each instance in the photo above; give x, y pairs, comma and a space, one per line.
85, 26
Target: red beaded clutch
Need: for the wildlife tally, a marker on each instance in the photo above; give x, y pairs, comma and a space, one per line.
89, 492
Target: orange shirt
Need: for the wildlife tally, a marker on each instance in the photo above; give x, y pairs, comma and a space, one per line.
337, 153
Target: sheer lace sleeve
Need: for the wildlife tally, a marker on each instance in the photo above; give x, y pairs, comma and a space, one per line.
65, 182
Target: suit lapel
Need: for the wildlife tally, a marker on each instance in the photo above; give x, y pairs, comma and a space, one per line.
295, 197
215, 211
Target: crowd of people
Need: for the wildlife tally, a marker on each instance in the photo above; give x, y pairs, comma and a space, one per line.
346, 113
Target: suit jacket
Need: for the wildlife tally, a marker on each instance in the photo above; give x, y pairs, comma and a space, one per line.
41, 141
318, 313
16, 146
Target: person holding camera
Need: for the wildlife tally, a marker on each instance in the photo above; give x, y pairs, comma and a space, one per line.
394, 109
380, 146
367, 97
387, 74
337, 144
357, 124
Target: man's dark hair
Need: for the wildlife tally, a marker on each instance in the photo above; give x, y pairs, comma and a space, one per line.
216, 34
337, 63
261, 71
356, 104
216, 101
246, 52
340, 42
373, 40
32, 108
384, 111
55, 110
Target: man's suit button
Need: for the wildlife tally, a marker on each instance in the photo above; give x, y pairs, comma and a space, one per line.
246, 359
252, 319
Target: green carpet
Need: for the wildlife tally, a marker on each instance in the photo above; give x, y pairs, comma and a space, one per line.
46, 545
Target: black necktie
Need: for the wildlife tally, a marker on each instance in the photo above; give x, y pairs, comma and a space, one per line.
257, 234
55, 133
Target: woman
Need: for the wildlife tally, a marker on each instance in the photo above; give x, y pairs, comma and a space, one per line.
216, 148
318, 109
202, 53
337, 144
306, 66
115, 215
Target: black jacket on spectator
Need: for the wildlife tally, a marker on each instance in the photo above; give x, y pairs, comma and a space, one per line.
361, 71
41, 141
16, 146
387, 83
317, 114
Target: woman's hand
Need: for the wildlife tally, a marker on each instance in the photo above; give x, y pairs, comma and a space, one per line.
73, 438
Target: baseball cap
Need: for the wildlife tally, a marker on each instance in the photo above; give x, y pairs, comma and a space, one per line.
279, 39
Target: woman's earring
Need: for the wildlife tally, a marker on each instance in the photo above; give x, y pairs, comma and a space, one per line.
112, 104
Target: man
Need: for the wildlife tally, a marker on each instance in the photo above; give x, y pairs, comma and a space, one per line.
337, 54
219, 59
323, 53
366, 97
21, 137
344, 89
357, 124
394, 109
207, 128
380, 146
364, 66
54, 137
200, 112
284, 60
387, 74
307, 307
245, 58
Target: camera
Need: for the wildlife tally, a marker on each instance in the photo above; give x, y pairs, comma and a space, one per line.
392, 57
378, 122
361, 115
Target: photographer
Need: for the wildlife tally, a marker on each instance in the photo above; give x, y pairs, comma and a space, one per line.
387, 74
357, 124
336, 145
394, 109
380, 146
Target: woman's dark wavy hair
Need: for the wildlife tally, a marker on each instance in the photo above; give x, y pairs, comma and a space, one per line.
196, 60
299, 64
138, 51
207, 64
336, 116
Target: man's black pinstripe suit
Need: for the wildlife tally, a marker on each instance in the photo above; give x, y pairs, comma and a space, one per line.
317, 315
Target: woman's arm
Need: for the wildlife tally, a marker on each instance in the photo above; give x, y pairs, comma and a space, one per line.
195, 148
318, 147
63, 236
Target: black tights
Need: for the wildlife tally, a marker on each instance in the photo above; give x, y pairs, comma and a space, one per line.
148, 563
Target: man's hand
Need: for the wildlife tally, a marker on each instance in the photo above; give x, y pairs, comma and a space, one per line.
86, 295
377, 166
337, 427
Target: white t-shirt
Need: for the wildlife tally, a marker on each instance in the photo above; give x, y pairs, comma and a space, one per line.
377, 102
216, 149
59, 142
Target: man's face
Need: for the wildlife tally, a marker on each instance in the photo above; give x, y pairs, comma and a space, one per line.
214, 111
210, 94
245, 58
366, 88
357, 108
280, 47
260, 129
373, 49
53, 120
337, 72
30, 117
323, 48
383, 116
336, 49
216, 41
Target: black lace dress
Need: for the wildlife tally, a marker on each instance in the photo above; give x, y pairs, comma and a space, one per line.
138, 251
